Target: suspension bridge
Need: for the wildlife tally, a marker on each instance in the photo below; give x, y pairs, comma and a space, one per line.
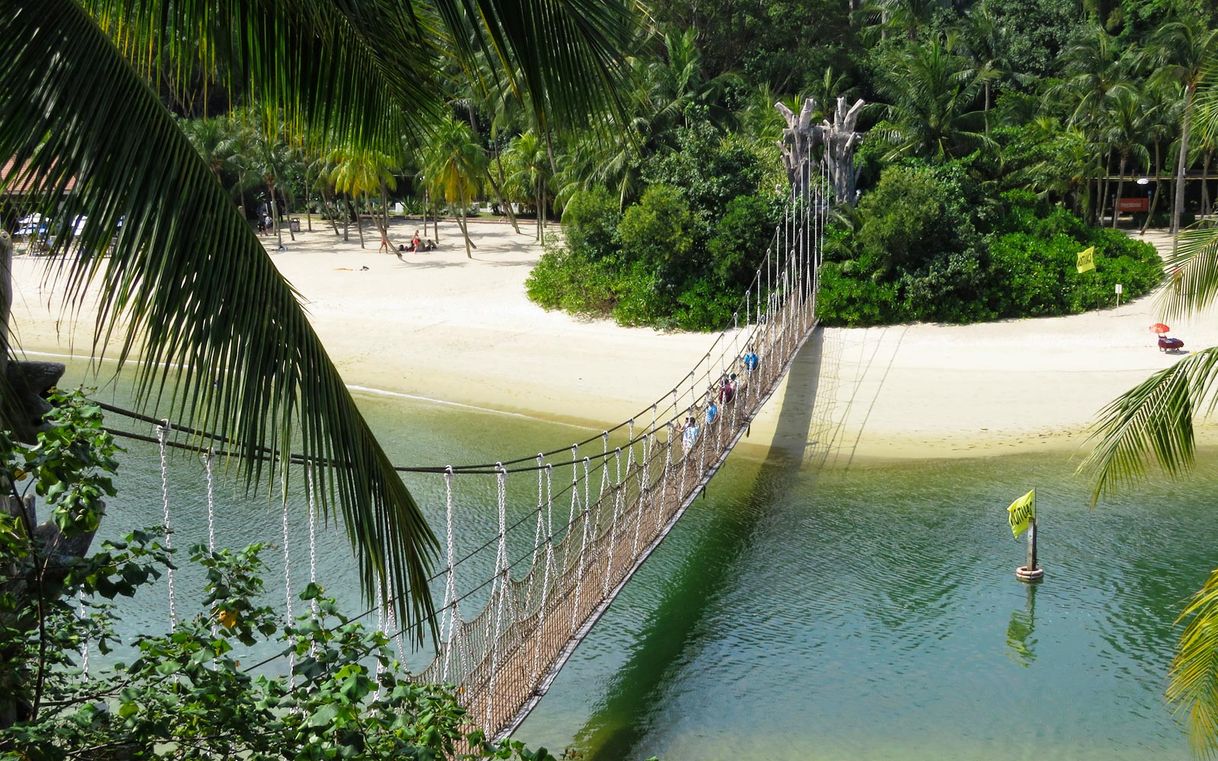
505, 635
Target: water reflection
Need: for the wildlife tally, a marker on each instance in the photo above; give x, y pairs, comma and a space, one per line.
1020, 642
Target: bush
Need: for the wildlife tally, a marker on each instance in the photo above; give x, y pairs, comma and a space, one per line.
590, 223
928, 250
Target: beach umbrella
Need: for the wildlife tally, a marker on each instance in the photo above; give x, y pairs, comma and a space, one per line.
1160, 328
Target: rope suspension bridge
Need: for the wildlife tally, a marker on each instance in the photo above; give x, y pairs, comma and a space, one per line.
602, 505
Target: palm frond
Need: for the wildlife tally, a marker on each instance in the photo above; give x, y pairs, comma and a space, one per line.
225, 344
1154, 418
1194, 274
1194, 671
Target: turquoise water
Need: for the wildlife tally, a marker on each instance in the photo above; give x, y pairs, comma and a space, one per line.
794, 613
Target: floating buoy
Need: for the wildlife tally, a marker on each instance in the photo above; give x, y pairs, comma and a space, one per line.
1023, 573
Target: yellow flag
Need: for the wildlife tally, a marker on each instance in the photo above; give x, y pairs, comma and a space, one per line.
1086, 260
1021, 513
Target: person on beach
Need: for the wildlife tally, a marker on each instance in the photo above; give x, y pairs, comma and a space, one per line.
416, 243
384, 243
689, 433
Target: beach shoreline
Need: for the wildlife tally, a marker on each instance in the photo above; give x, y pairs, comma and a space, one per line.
441, 327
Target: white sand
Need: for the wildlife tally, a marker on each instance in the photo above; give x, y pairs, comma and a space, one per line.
443, 326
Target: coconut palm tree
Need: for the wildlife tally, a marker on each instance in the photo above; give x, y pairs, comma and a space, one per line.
932, 92
529, 172
187, 289
453, 166
1186, 51
1125, 123
363, 172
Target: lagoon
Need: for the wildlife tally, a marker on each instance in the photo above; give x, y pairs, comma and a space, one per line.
798, 612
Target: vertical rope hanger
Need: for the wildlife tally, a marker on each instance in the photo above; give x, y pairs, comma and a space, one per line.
310, 486
211, 513
549, 563
287, 575
450, 585
162, 431
503, 574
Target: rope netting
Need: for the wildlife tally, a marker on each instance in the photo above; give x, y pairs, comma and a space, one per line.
550, 579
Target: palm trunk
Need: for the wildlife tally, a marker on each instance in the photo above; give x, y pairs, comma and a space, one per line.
1181, 166
507, 207
275, 214
1205, 182
499, 197
464, 227
1154, 198
1116, 201
426, 204
332, 208
1099, 214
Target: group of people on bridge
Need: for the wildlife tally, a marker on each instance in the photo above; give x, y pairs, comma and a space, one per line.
719, 397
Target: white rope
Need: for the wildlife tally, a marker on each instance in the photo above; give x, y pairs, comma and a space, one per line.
617, 506
310, 484
450, 585
503, 575
545, 581
161, 432
211, 501
583, 546
84, 641
287, 578
211, 515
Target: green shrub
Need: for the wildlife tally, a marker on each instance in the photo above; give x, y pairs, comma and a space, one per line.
590, 223
657, 233
739, 242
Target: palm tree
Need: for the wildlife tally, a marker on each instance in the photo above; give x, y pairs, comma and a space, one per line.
454, 165
1154, 420
1186, 52
529, 172
362, 172
932, 92
187, 287
1125, 130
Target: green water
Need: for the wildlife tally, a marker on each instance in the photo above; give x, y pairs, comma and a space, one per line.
797, 614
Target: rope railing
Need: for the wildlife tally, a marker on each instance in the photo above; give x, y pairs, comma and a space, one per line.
622, 499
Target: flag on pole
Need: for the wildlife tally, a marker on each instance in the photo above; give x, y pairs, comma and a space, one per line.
1086, 260
1021, 513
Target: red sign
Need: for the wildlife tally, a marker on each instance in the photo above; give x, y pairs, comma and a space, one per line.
1133, 204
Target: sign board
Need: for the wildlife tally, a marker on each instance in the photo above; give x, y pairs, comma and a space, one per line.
1120, 289
1133, 204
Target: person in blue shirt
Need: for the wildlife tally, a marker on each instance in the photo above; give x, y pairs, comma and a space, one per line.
712, 412
689, 433
750, 360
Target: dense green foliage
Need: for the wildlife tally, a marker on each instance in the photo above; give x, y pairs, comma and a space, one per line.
681, 255
1065, 102
185, 694
927, 244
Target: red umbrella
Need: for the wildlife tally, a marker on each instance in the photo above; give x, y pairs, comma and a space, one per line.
1160, 328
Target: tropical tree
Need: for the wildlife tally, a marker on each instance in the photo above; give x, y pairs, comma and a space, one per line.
453, 166
187, 287
1186, 50
1125, 130
528, 164
932, 92
363, 172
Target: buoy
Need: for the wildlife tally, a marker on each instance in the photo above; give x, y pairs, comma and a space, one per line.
1023, 573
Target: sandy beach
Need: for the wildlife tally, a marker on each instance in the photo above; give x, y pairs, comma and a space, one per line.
442, 326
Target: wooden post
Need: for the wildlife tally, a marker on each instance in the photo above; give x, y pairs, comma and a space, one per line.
1032, 546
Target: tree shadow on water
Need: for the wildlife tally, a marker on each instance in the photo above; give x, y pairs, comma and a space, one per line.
674, 629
